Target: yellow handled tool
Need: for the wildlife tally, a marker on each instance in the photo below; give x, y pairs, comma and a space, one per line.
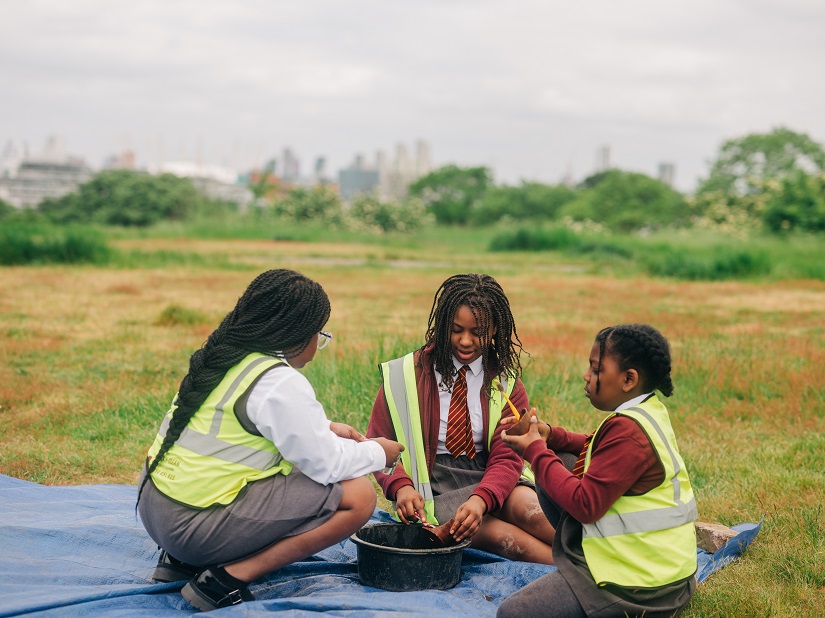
500, 388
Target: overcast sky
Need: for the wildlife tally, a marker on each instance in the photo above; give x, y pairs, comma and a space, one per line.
529, 88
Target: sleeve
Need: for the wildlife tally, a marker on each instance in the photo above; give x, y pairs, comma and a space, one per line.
504, 466
622, 453
380, 426
284, 408
561, 440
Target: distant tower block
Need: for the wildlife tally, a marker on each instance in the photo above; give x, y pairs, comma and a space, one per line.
403, 164
320, 169
291, 168
423, 165
667, 173
603, 159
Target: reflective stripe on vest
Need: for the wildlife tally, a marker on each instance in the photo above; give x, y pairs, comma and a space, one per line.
401, 392
215, 457
647, 540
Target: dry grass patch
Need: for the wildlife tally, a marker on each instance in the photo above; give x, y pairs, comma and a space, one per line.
86, 374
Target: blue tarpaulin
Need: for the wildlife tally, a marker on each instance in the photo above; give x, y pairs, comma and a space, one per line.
81, 551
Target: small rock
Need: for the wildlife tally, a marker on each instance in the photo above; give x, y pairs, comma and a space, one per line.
711, 537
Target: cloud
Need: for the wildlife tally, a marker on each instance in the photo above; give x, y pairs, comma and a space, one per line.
526, 86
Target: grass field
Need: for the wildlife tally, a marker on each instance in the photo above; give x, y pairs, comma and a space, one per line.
90, 358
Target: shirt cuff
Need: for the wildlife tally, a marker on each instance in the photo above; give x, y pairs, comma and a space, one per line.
378, 455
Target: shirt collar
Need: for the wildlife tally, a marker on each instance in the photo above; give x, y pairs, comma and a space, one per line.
475, 367
633, 402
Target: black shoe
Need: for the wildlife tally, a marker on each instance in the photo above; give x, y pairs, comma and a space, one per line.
170, 569
213, 588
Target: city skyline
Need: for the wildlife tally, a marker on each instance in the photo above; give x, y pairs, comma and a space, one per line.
532, 90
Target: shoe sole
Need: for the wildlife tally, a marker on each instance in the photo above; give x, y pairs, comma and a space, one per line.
168, 574
196, 599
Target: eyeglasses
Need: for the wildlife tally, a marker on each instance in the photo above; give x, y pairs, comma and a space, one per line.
323, 339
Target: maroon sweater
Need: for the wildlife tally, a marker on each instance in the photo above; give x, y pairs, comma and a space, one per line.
504, 466
623, 462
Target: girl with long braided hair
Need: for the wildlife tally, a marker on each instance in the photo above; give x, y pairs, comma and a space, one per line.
624, 511
247, 474
443, 402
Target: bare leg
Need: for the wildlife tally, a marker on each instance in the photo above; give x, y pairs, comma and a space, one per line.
522, 509
357, 505
518, 531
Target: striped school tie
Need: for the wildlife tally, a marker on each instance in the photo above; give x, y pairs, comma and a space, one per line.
459, 439
578, 469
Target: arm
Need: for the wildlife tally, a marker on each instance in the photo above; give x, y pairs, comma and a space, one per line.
283, 407
621, 455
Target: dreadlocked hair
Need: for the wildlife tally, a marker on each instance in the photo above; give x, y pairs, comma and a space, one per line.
491, 309
277, 315
640, 347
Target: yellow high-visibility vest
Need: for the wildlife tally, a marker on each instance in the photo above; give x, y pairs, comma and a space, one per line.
402, 400
215, 457
649, 540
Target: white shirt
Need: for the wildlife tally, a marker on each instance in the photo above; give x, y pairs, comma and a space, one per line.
475, 380
282, 405
633, 402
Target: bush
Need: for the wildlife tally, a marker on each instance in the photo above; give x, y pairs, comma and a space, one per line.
124, 197
715, 264
368, 213
175, 315
44, 244
318, 204
528, 239
532, 201
6, 210
562, 239
627, 201
799, 205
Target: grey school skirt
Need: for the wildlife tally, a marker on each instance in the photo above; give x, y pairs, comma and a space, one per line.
263, 513
454, 479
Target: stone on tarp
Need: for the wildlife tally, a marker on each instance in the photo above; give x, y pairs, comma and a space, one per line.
711, 537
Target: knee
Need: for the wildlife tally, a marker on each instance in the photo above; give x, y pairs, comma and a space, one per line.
525, 508
360, 496
507, 609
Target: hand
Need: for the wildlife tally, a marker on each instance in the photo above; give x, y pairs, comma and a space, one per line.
407, 502
468, 518
506, 421
345, 431
520, 443
544, 428
392, 449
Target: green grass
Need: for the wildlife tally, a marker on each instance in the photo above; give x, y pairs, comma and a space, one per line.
32, 243
687, 255
88, 369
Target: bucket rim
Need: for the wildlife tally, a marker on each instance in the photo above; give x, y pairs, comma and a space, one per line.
403, 550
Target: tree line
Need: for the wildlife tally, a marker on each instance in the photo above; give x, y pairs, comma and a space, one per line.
763, 181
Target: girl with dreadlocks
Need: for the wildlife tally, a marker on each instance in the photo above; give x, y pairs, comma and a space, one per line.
443, 404
625, 542
247, 474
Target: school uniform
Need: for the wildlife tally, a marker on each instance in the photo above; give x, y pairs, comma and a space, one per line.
491, 474
279, 412
622, 464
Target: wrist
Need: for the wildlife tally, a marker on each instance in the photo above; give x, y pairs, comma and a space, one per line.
481, 501
533, 449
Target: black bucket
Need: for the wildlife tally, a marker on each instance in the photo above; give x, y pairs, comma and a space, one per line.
401, 557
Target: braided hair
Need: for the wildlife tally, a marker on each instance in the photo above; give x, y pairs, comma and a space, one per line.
277, 315
491, 309
640, 347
